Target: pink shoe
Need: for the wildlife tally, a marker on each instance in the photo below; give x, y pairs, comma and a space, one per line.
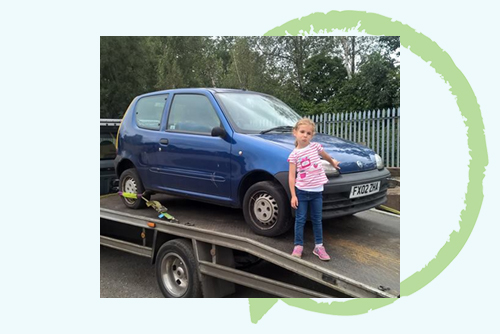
297, 251
321, 253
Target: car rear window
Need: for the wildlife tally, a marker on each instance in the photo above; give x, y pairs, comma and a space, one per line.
149, 110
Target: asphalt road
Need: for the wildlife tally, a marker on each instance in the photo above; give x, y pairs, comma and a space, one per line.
125, 275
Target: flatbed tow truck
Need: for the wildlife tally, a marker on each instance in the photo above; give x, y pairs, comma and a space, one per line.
199, 254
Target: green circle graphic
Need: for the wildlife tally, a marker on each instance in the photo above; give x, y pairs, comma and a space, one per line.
430, 52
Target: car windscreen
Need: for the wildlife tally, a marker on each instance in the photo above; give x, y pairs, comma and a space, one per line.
253, 113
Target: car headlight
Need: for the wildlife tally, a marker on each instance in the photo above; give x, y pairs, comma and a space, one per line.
329, 169
378, 160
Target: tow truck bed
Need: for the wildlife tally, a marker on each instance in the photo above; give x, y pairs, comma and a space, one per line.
364, 247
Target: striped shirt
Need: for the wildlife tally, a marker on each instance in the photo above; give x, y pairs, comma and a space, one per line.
310, 172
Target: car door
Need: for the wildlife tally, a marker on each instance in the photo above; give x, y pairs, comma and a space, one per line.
143, 135
191, 160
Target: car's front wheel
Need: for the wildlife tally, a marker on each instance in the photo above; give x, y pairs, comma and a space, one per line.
266, 209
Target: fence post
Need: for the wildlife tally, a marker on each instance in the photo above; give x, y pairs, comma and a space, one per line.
373, 130
341, 125
360, 127
388, 130
368, 126
350, 126
378, 131
330, 124
354, 126
393, 133
364, 128
399, 125
335, 132
382, 146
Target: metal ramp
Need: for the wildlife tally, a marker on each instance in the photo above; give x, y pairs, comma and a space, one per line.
364, 247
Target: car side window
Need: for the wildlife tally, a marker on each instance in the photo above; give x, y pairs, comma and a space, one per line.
149, 110
192, 113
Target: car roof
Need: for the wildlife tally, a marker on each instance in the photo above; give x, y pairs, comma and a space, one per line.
198, 90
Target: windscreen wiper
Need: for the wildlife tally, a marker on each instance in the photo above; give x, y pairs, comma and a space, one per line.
283, 128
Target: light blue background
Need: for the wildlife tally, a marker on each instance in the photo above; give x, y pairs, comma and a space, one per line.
50, 91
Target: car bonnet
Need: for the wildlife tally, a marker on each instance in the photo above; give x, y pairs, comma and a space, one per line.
353, 157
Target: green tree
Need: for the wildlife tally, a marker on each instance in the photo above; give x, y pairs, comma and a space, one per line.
246, 68
287, 55
378, 82
180, 62
312, 74
390, 45
125, 71
375, 86
323, 77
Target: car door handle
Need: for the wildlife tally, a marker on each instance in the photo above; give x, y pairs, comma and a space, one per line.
164, 141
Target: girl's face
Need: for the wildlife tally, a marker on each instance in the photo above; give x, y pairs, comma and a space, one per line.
303, 134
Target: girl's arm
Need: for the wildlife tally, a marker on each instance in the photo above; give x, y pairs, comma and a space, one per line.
292, 172
328, 158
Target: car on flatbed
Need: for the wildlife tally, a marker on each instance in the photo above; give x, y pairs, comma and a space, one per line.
230, 147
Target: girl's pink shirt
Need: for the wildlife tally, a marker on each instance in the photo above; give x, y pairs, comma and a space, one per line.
310, 172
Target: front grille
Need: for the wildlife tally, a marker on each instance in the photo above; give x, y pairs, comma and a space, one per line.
340, 204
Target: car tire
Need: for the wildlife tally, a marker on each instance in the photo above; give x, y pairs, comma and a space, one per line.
177, 271
266, 209
130, 182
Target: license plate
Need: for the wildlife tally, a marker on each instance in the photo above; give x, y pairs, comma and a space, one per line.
364, 189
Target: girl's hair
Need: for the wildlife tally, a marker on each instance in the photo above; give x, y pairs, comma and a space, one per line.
303, 121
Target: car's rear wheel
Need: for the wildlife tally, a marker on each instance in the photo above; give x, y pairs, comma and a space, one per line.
266, 209
131, 183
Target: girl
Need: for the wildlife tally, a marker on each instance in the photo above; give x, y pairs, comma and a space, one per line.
306, 178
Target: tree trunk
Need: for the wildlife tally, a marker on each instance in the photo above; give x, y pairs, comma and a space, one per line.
299, 62
353, 50
347, 55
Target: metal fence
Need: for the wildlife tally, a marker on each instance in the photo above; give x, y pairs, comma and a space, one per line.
377, 129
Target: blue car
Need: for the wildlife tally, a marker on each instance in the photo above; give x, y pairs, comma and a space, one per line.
230, 147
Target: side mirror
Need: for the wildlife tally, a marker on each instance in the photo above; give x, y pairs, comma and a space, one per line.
218, 132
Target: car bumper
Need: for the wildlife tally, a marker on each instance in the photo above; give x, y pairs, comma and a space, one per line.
336, 201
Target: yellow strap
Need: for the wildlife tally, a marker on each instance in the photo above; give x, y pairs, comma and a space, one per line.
386, 208
129, 195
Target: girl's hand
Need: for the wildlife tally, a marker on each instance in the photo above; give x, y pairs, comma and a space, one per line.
295, 202
328, 158
336, 164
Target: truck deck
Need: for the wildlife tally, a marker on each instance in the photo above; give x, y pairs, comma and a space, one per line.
364, 247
